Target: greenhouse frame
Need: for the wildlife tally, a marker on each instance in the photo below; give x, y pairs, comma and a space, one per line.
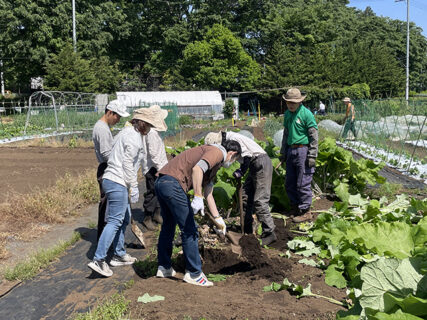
199, 104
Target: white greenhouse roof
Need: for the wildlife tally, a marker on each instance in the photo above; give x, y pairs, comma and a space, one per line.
181, 98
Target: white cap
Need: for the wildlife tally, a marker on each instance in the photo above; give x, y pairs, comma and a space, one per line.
118, 108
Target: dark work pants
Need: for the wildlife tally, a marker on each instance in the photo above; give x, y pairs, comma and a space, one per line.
298, 178
103, 199
349, 125
256, 193
150, 200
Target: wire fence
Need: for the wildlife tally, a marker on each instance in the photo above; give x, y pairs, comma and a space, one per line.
57, 114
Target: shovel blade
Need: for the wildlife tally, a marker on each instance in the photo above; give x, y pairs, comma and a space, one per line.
138, 233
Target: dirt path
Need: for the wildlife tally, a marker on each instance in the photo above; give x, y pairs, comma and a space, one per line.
68, 286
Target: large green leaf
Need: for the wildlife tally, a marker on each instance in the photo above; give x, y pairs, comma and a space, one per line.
410, 304
399, 315
398, 277
335, 277
223, 194
392, 239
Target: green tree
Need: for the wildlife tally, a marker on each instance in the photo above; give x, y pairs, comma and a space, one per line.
68, 71
218, 62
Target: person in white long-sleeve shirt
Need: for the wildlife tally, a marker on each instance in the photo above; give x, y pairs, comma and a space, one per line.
103, 142
257, 186
154, 161
120, 179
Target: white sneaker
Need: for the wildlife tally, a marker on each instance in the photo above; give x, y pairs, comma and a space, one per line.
101, 267
199, 280
125, 260
162, 272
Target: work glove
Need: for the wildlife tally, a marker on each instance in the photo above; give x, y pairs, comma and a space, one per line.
238, 174
198, 205
134, 195
222, 223
311, 162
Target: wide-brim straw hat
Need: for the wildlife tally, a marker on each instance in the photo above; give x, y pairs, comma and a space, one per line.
293, 95
153, 115
213, 138
346, 99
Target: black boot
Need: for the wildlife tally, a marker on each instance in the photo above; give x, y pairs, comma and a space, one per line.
157, 217
148, 223
268, 238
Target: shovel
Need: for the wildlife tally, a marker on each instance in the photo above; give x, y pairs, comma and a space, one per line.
233, 237
135, 228
242, 216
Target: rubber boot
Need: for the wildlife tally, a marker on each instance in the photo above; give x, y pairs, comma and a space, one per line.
148, 223
157, 217
268, 238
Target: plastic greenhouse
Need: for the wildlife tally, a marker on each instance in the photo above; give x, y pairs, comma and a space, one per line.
199, 104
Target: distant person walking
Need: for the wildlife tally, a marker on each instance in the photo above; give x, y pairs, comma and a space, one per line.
299, 151
103, 142
349, 118
322, 109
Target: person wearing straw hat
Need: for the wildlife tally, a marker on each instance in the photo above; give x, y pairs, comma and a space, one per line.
349, 118
154, 160
120, 180
103, 142
299, 151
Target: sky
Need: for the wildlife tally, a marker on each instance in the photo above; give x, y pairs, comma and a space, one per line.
397, 10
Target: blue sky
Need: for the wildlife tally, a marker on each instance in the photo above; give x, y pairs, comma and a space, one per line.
397, 10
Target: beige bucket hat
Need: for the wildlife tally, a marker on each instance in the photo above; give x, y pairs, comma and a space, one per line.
153, 115
346, 99
213, 138
293, 95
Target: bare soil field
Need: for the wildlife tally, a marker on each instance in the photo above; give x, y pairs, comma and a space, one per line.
23, 170
241, 295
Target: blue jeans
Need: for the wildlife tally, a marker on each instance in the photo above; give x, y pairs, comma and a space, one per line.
176, 209
118, 218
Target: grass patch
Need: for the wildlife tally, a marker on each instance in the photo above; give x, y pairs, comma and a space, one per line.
112, 308
27, 215
92, 225
388, 190
28, 269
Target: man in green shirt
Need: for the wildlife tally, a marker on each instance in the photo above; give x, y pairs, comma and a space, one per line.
299, 151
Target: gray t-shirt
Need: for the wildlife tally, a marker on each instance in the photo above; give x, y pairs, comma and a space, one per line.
103, 141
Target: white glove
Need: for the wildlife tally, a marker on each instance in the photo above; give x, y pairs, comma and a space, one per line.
222, 223
198, 205
134, 195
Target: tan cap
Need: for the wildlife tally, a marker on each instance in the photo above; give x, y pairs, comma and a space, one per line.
153, 115
293, 95
346, 99
213, 138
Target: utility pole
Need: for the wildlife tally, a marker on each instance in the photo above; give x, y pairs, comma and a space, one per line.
1, 77
74, 25
407, 49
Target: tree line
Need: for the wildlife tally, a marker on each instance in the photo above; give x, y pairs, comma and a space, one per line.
242, 45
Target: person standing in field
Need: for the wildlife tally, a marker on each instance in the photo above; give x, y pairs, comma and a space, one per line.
257, 186
103, 142
121, 185
154, 160
349, 118
195, 169
299, 152
322, 109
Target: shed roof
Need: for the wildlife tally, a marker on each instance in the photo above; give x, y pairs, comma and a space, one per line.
181, 98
